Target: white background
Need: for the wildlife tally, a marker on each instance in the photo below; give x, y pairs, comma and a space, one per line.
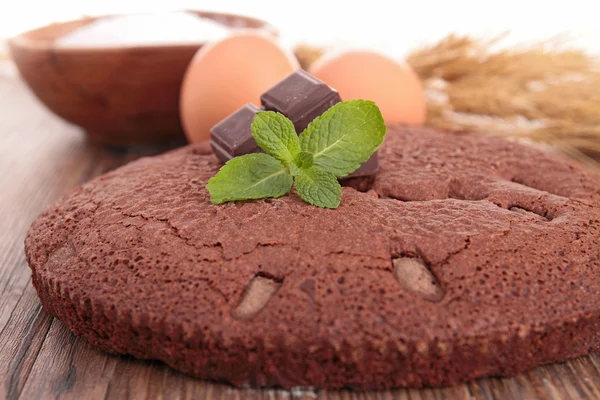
393, 26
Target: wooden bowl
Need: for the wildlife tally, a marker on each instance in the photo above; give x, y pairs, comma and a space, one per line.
118, 95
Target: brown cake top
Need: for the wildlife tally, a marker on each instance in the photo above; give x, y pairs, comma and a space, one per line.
459, 238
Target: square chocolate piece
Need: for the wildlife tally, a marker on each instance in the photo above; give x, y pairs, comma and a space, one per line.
232, 137
301, 97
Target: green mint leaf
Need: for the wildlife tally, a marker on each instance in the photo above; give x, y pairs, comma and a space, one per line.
294, 169
318, 188
304, 160
344, 137
276, 135
251, 176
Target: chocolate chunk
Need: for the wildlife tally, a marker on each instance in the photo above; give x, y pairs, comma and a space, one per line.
301, 97
232, 137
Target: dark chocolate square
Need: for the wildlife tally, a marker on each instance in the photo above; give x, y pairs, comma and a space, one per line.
301, 97
232, 136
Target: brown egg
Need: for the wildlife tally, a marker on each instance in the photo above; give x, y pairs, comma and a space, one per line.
394, 87
225, 75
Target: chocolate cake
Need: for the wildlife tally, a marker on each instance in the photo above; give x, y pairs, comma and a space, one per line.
466, 256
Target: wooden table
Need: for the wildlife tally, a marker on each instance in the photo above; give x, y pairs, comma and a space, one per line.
41, 158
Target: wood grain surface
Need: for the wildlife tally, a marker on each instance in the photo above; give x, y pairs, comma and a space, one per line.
42, 158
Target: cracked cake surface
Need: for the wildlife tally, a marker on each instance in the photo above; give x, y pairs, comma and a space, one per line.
466, 256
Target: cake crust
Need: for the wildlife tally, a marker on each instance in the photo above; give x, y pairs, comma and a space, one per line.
467, 256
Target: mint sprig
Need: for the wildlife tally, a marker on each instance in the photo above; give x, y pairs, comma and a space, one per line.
319, 188
333, 145
344, 137
276, 135
248, 177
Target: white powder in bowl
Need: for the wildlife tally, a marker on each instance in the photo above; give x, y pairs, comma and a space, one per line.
145, 30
